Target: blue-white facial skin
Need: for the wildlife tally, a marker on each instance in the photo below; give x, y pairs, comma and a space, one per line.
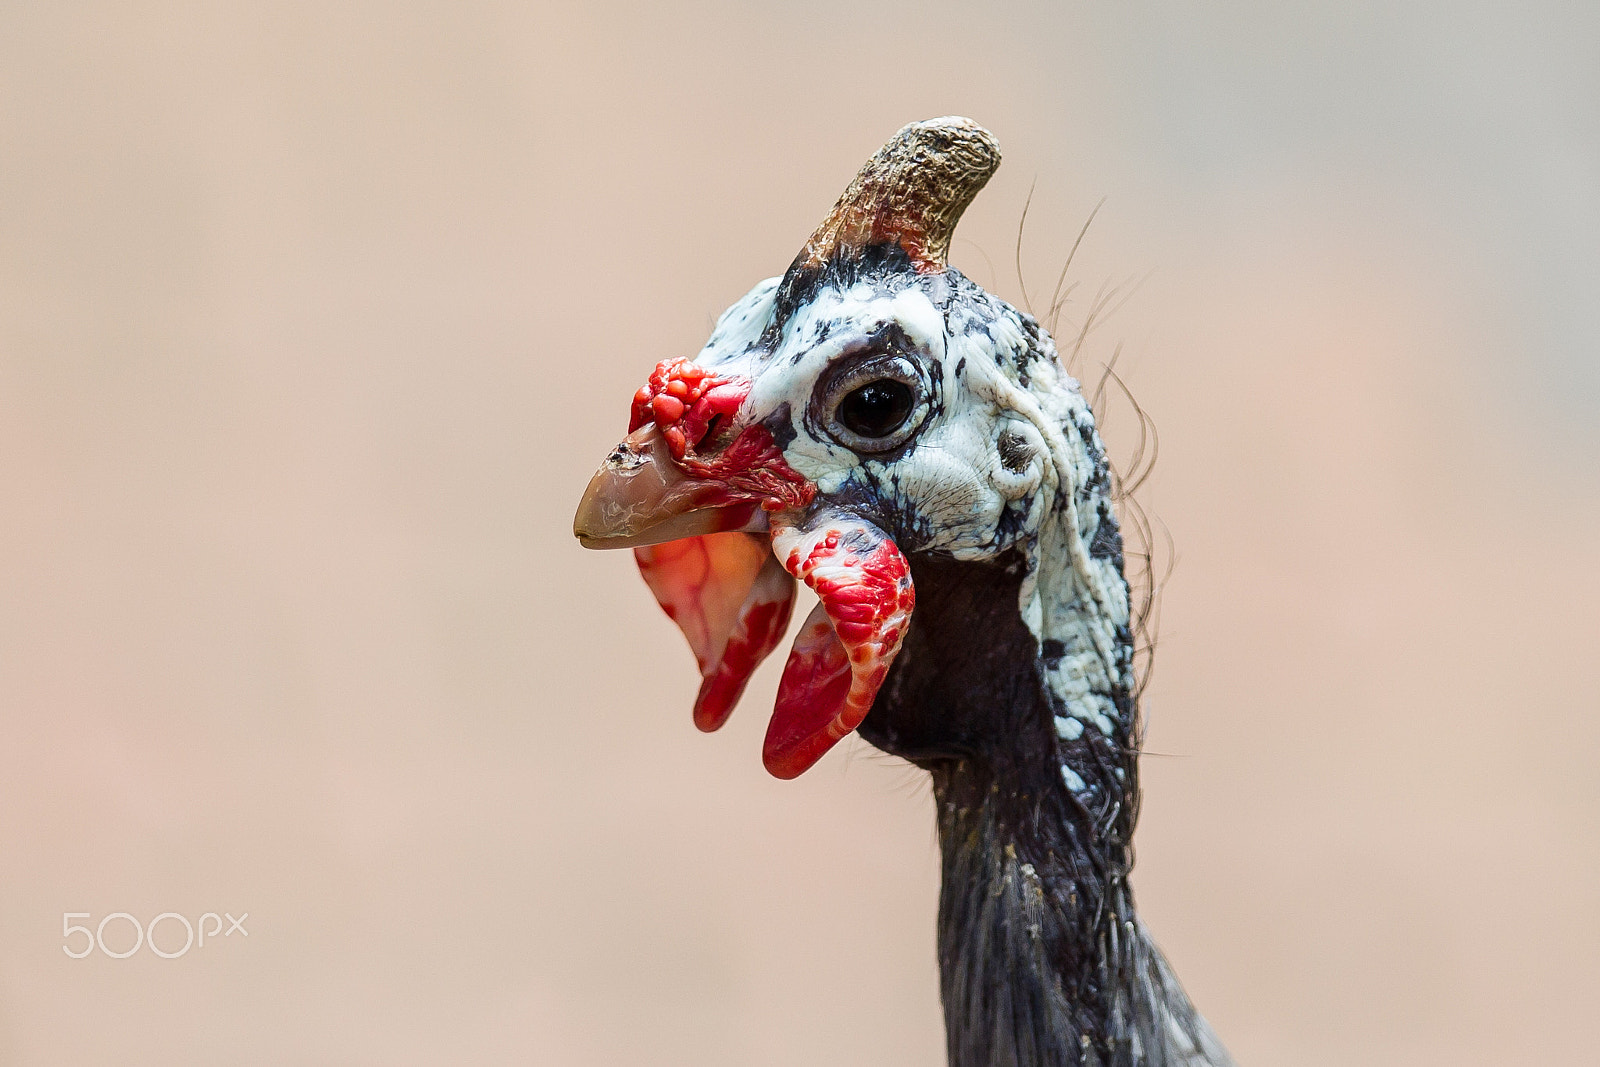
1000, 450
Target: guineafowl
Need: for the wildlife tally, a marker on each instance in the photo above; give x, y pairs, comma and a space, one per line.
877, 426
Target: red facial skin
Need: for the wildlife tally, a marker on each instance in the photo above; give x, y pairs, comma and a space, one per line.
732, 598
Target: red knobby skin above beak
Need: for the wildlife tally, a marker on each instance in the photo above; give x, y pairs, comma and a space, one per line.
688, 494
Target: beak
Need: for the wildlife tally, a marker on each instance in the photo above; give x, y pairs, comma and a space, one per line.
639, 497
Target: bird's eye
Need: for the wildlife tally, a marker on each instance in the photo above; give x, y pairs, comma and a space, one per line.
874, 405
876, 409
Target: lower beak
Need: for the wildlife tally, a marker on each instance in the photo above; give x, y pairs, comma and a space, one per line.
640, 497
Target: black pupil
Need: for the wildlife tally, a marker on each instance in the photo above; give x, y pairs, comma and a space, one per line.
877, 409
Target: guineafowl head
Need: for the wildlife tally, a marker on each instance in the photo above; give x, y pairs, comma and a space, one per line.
878, 426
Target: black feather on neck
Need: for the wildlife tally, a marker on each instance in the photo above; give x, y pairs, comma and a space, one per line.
1042, 958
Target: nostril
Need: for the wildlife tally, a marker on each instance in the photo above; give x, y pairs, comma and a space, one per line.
711, 430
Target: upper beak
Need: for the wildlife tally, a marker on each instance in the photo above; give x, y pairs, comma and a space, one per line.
640, 497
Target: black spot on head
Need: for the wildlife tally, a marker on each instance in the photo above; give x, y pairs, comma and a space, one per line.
874, 262
1107, 543
1052, 651
886, 264
800, 283
912, 529
780, 425
1010, 525
889, 337
961, 366
1030, 329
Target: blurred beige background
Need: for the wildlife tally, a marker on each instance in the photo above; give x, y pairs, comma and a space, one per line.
314, 320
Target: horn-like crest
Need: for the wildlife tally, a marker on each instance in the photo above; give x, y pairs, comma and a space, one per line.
911, 193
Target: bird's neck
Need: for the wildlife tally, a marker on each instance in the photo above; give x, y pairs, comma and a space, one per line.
1017, 698
1035, 913
1037, 934
1042, 959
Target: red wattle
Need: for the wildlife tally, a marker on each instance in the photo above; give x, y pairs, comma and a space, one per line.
842, 655
763, 617
731, 600
816, 682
